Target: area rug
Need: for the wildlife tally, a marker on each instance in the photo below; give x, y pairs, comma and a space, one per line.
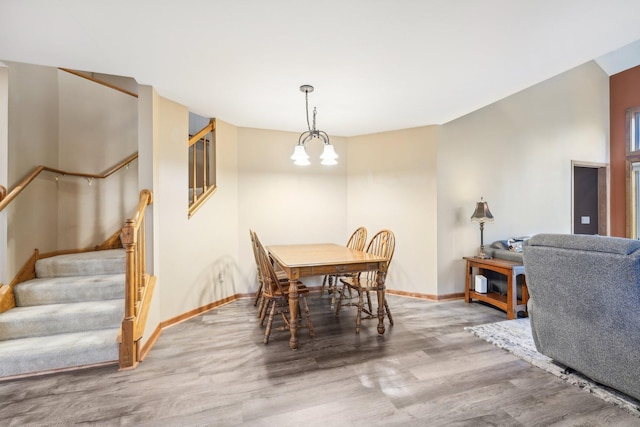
515, 337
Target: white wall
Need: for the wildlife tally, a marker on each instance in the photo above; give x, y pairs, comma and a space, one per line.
285, 203
392, 184
517, 153
33, 140
98, 128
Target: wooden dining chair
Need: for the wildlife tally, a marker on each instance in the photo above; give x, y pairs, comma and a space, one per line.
356, 241
256, 246
275, 294
258, 295
382, 244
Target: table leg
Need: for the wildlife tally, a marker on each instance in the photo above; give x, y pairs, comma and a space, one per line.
525, 293
293, 313
467, 283
512, 295
381, 288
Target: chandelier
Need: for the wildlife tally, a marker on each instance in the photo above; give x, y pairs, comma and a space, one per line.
300, 156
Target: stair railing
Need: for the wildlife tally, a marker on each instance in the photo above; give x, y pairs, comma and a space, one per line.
202, 181
139, 284
5, 198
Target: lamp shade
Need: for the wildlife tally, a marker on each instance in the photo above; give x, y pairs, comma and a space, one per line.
300, 156
328, 155
482, 212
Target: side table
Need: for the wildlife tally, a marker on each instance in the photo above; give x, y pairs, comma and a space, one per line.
509, 303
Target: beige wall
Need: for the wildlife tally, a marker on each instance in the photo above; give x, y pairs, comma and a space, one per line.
64, 121
285, 203
33, 140
196, 258
517, 154
392, 184
4, 165
98, 128
148, 151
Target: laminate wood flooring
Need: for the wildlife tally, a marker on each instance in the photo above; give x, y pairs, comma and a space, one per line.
214, 370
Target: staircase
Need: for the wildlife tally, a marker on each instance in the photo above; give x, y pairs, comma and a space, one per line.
69, 316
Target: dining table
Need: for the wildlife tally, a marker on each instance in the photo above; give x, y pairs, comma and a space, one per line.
319, 259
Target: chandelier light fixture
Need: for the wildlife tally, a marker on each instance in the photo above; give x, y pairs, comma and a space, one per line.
300, 156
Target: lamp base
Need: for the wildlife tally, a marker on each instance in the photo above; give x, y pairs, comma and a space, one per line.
482, 255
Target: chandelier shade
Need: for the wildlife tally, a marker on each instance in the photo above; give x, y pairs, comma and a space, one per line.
300, 156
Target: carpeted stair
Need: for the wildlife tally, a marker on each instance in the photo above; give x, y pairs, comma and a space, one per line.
69, 316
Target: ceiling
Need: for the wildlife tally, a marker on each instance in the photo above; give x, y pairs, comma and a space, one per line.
376, 65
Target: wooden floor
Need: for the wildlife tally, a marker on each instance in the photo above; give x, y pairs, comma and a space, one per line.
213, 370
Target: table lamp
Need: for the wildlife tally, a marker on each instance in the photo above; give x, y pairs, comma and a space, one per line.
482, 214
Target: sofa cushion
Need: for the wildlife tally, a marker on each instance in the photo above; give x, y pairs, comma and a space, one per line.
584, 242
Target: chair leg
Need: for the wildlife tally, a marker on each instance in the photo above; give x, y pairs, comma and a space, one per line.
386, 307
261, 303
360, 307
267, 331
308, 314
369, 302
324, 282
262, 312
258, 294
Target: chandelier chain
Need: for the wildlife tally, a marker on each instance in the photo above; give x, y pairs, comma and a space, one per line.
306, 98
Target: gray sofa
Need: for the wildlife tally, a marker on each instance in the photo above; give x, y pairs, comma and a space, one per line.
585, 305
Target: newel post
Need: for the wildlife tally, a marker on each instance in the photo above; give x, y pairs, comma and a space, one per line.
128, 351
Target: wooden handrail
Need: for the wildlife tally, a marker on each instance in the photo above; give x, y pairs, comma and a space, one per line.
100, 82
4, 201
205, 130
138, 284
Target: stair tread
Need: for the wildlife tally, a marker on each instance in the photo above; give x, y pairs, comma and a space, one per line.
59, 290
49, 319
84, 263
36, 354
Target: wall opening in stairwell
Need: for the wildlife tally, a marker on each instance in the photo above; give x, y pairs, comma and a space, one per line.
202, 160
